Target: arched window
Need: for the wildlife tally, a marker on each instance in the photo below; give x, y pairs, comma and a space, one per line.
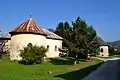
101, 50
55, 48
47, 47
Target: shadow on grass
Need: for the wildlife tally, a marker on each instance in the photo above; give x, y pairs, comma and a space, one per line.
64, 61
61, 61
79, 74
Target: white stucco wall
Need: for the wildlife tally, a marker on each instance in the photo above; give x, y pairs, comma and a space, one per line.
105, 51
21, 40
52, 43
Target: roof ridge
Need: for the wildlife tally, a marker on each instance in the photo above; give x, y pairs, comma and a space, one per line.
28, 26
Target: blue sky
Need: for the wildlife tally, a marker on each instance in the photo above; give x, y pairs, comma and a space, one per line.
104, 15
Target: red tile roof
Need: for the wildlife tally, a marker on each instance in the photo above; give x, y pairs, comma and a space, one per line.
29, 26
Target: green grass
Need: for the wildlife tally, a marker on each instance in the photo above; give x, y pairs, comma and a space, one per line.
109, 57
117, 56
11, 70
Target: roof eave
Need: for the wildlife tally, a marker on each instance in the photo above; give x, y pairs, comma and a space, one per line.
4, 38
15, 33
53, 38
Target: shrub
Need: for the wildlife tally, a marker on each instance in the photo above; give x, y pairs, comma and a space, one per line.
63, 55
32, 54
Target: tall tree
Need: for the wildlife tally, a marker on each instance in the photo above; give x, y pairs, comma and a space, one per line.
85, 37
64, 30
79, 39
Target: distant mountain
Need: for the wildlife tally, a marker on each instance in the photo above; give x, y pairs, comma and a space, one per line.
114, 43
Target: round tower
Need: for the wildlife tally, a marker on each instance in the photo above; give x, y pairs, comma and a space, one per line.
27, 32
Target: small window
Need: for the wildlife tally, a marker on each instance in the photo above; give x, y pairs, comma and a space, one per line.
47, 47
101, 50
55, 48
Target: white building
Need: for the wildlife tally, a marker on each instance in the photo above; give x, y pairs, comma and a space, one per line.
104, 51
30, 32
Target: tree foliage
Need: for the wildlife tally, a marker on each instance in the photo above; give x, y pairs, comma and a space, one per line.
78, 38
113, 50
32, 54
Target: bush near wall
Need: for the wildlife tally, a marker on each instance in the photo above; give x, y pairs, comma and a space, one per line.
32, 54
112, 51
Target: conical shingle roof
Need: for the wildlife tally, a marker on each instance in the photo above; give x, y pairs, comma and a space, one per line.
28, 26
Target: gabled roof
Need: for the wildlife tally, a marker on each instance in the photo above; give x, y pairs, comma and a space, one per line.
5, 36
28, 26
102, 42
51, 35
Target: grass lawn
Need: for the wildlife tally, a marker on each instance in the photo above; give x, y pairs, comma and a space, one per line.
11, 70
118, 56
109, 57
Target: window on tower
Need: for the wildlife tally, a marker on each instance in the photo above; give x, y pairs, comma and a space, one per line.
101, 50
55, 48
47, 47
